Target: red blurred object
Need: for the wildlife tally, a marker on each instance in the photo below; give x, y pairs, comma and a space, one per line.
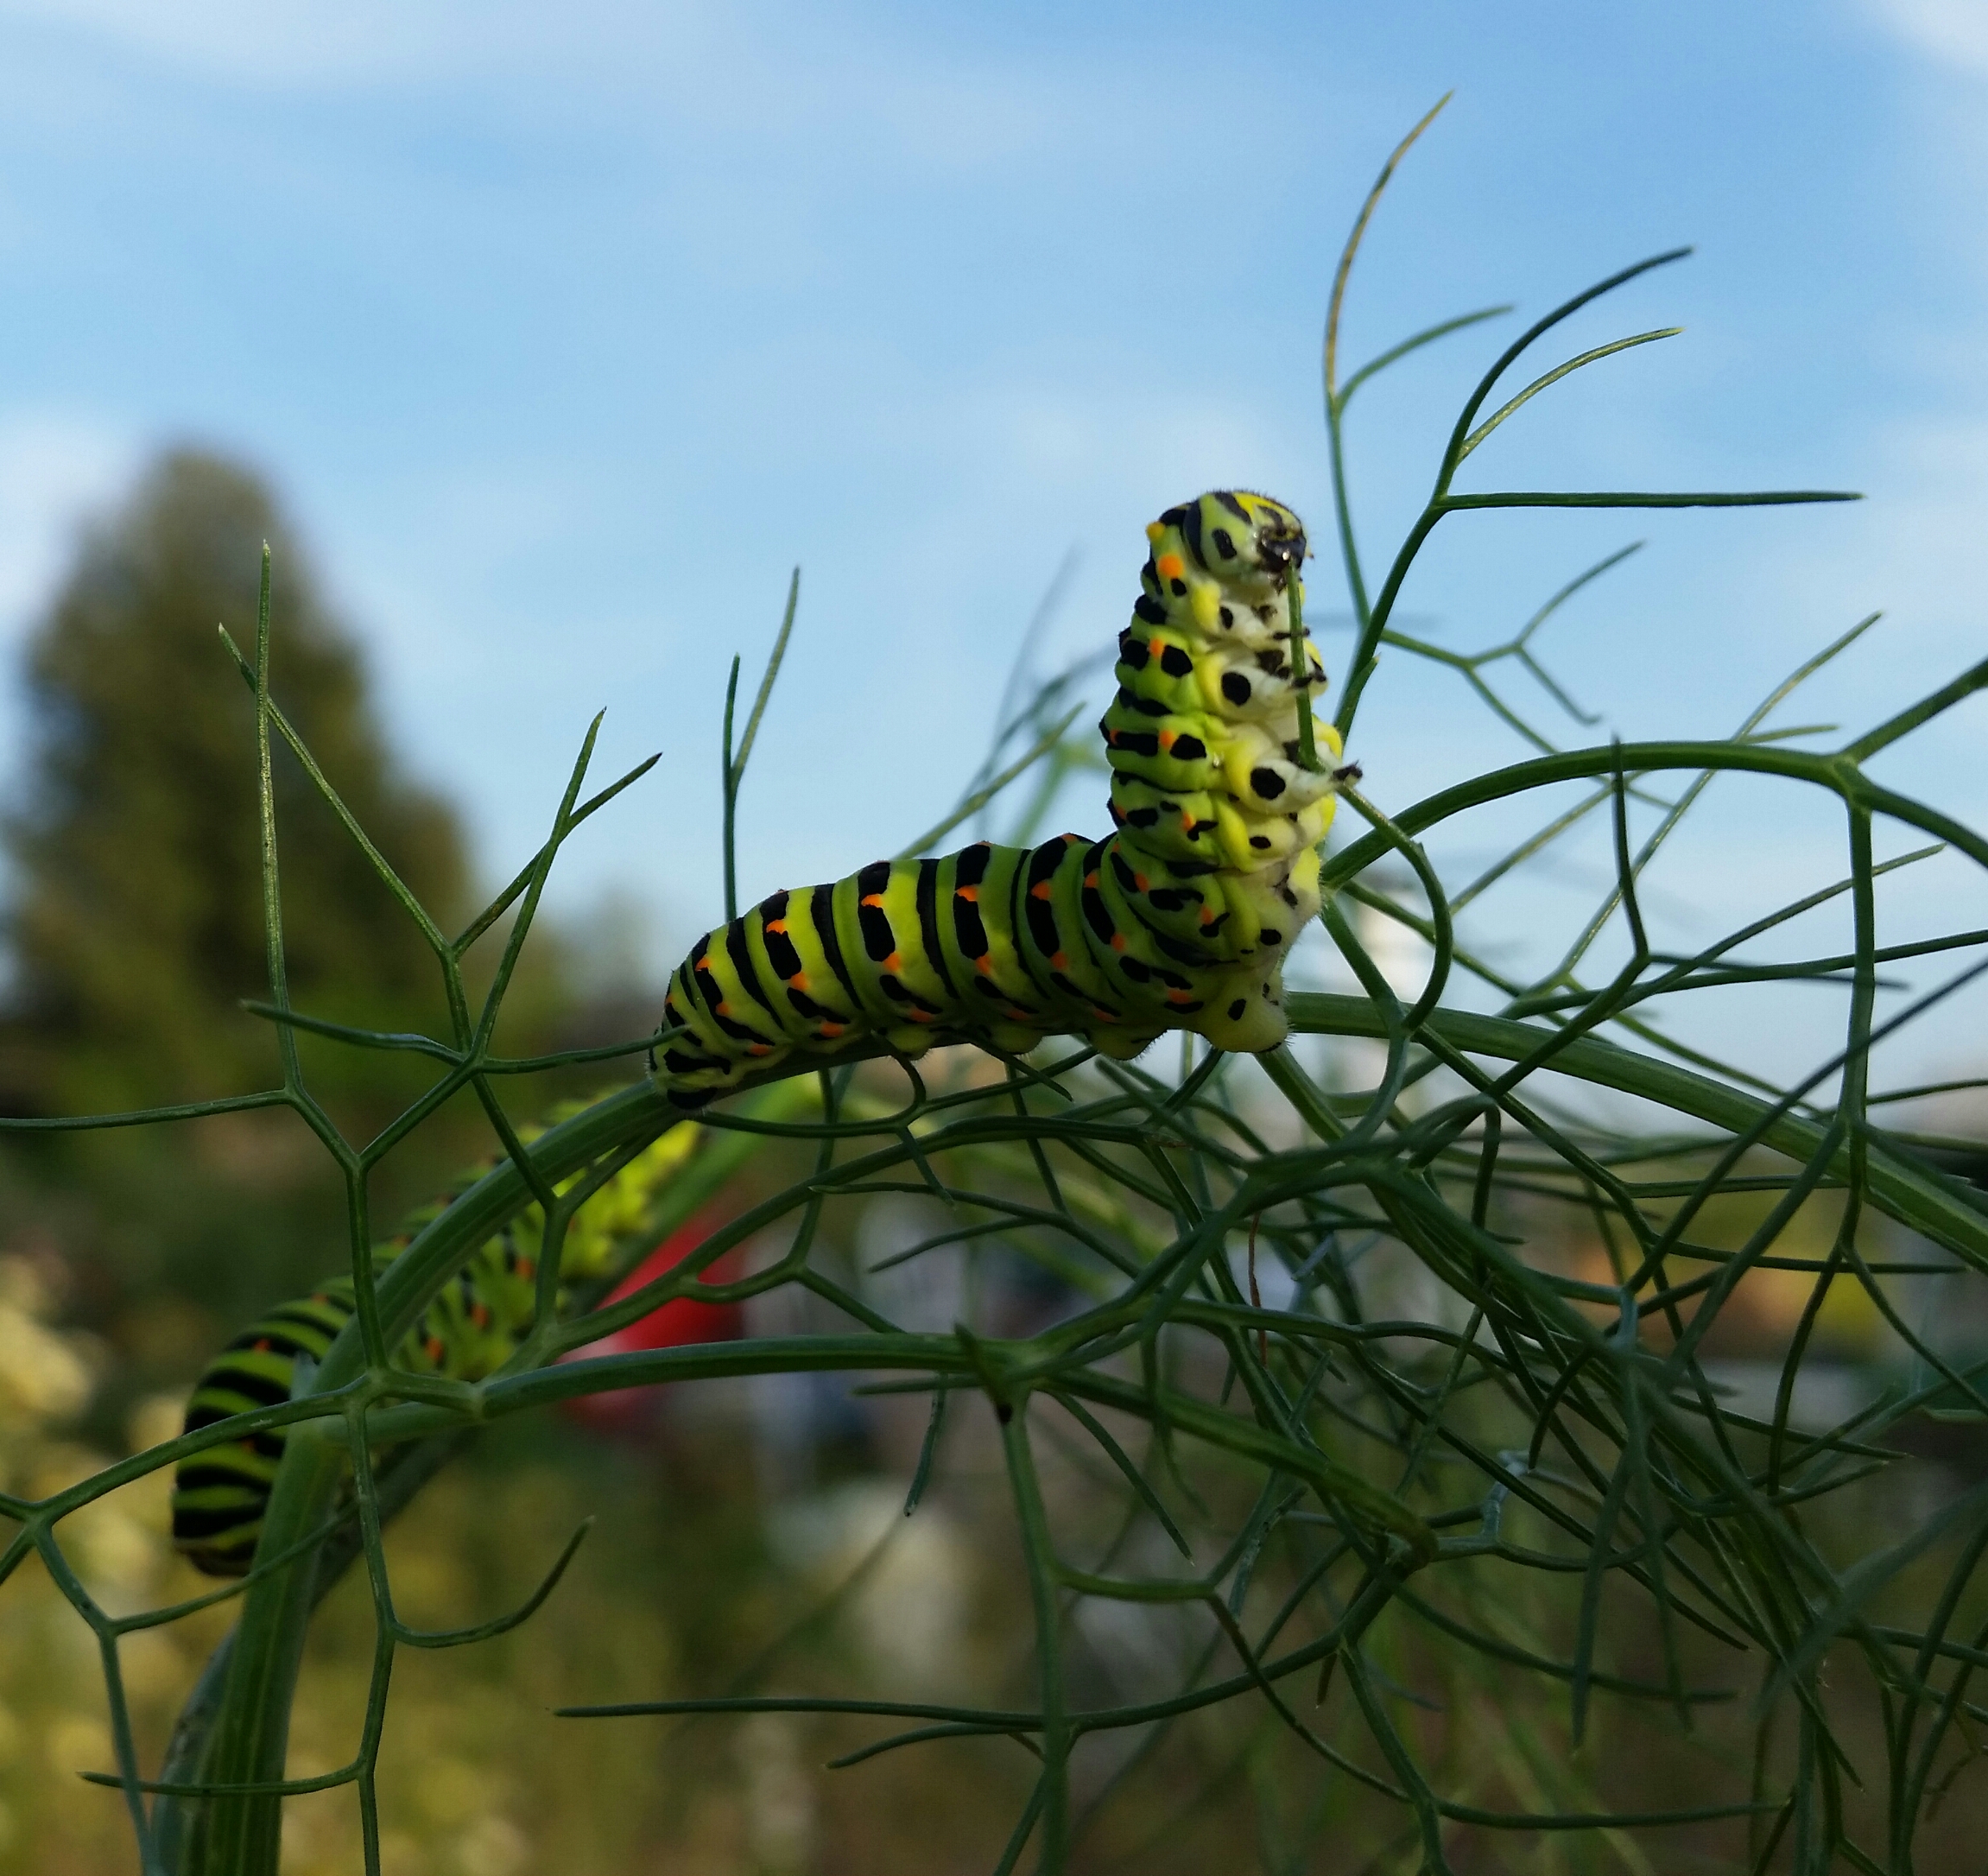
677, 1324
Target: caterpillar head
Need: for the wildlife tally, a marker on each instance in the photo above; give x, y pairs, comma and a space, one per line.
1242, 539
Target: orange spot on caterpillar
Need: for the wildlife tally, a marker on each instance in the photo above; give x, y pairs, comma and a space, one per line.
1179, 996
776, 924
1073, 840
1170, 566
985, 967
971, 894
829, 1031
1166, 739
1040, 891
874, 898
1117, 941
759, 1049
1187, 819
481, 1316
1091, 879
704, 965
1155, 646
526, 1268
1061, 961
1103, 1016
1207, 914
798, 980
433, 1350
724, 1009
894, 963
1139, 881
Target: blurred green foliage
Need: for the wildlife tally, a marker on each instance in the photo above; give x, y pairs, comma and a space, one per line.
137, 924
134, 927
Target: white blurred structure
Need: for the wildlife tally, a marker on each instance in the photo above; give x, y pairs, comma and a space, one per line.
1402, 956
908, 1578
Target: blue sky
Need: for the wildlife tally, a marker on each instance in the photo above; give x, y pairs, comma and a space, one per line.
566, 331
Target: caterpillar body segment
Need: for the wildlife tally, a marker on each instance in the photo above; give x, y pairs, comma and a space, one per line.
468, 1331
1180, 918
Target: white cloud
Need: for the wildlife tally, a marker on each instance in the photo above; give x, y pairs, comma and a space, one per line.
330, 42
755, 82
1952, 31
751, 74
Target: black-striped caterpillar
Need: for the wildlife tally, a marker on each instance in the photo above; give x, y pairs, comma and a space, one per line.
1180, 919
467, 1332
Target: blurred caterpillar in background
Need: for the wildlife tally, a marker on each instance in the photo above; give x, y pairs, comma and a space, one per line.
1180, 919
467, 1332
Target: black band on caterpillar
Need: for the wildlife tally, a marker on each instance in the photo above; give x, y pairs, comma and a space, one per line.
467, 1332
1180, 919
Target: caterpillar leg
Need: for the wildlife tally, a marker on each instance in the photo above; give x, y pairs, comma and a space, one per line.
1122, 1045
1245, 1013
907, 1039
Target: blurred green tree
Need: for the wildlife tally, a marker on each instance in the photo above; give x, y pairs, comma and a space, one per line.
136, 920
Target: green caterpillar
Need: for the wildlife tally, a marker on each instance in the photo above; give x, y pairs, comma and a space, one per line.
1180, 919
467, 1332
